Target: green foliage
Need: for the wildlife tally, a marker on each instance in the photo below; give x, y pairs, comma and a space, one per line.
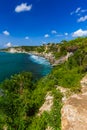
21, 100
40, 49
54, 117
62, 52
39, 123
22, 97
16, 104
68, 76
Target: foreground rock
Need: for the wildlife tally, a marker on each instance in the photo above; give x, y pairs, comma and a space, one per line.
74, 111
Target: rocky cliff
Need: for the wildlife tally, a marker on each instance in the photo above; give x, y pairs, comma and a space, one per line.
74, 111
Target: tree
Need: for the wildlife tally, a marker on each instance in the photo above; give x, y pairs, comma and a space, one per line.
16, 104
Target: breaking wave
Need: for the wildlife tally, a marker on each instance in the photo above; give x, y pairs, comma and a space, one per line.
39, 59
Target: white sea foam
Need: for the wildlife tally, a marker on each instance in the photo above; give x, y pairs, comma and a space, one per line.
39, 60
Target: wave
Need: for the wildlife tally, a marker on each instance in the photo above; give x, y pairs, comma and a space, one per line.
39, 59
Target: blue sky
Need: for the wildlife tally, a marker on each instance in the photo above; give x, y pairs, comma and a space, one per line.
34, 22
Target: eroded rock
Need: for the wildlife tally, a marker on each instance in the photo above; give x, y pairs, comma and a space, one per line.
84, 84
47, 104
74, 113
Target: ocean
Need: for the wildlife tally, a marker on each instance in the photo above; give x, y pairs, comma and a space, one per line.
13, 63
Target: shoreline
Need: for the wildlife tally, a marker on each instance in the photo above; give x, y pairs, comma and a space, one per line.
30, 53
48, 56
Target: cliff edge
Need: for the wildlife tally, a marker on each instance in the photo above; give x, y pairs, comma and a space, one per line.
74, 111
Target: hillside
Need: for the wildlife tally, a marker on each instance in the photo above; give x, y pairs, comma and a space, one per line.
22, 100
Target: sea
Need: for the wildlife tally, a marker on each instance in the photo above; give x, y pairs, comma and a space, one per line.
14, 63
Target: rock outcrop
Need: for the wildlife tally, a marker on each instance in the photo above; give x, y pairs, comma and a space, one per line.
74, 111
84, 84
62, 59
47, 104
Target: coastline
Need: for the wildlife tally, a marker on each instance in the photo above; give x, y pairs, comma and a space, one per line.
48, 56
14, 63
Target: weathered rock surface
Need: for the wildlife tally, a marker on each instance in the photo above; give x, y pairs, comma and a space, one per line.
47, 104
84, 84
62, 59
74, 111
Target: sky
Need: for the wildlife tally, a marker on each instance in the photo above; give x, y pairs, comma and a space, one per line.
37, 22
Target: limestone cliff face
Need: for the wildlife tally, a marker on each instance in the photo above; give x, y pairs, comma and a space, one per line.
74, 111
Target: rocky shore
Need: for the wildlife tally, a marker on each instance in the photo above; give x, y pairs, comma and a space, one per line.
49, 56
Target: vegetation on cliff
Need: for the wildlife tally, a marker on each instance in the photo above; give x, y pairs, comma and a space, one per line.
22, 96
20, 100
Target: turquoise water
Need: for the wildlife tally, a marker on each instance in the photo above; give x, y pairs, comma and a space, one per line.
12, 63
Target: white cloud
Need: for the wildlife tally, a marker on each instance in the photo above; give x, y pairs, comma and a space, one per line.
54, 32
9, 44
71, 13
82, 19
79, 33
78, 14
6, 33
84, 10
26, 37
66, 34
46, 35
23, 7
77, 10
